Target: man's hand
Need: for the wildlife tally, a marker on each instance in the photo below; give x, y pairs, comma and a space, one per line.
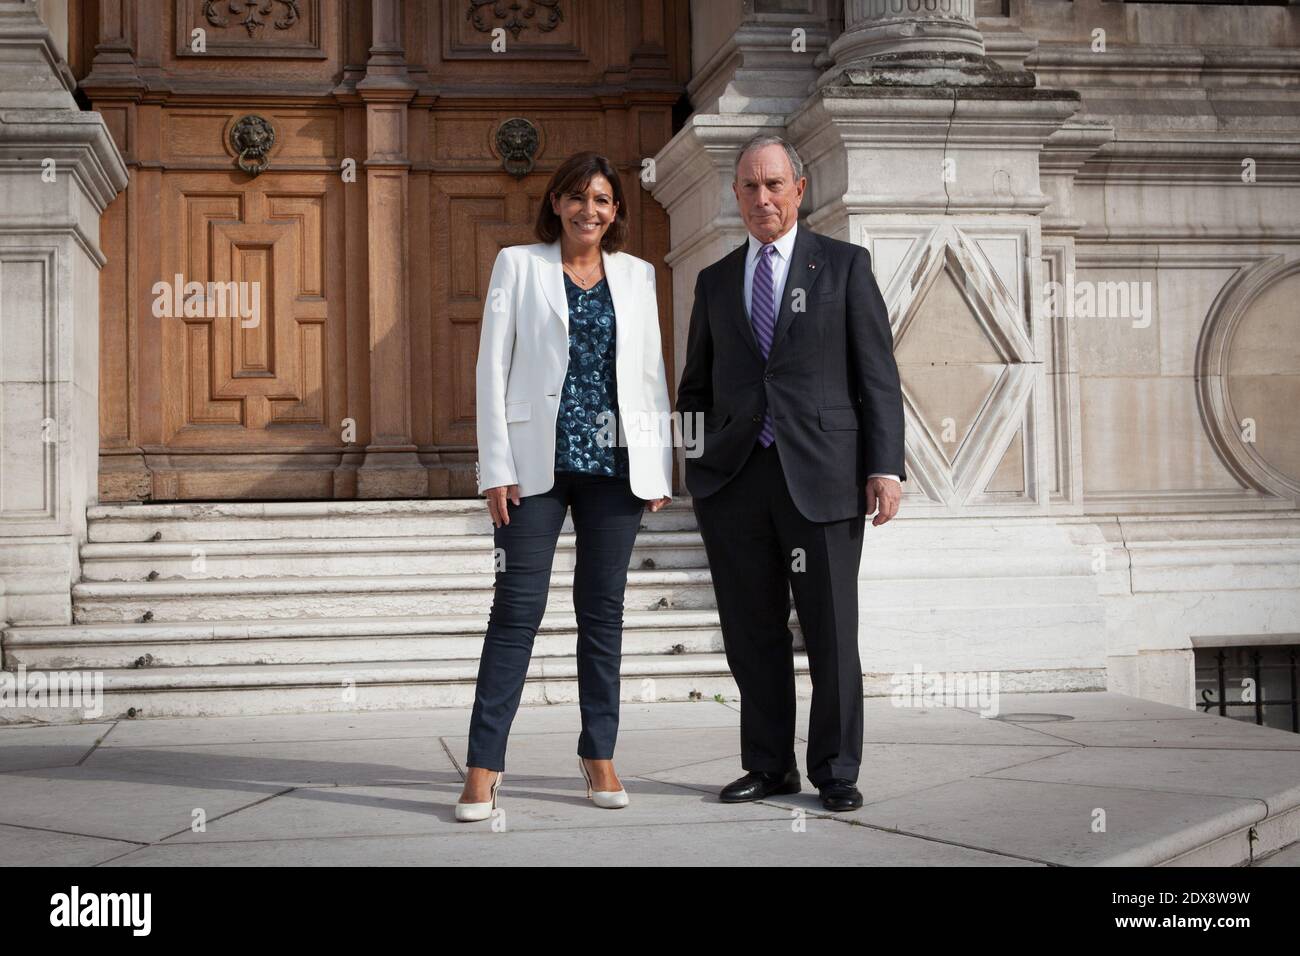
658, 503
887, 493
496, 501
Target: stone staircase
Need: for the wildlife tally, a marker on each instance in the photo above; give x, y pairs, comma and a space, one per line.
248, 608
259, 608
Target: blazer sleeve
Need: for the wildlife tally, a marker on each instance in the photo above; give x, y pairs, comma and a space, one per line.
871, 348
496, 466
657, 381
695, 390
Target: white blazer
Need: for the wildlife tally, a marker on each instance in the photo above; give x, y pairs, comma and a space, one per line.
523, 357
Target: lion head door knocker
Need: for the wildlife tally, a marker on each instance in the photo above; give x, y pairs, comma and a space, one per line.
252, 138
517, 141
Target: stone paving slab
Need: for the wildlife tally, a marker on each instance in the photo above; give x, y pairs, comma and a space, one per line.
1090, 705
381, 724
943, 725
288, 763
943, 786
117, 805
637, 752
529, 803
1272, 777
745, 843
21, 846
1209, 733
889, 771
1052, 823
31, 748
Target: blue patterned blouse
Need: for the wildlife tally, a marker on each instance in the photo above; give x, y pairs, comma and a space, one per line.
590, 387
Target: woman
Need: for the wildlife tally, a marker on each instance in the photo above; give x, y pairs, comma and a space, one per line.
569, 354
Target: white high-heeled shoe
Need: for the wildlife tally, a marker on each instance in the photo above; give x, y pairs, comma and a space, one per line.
466, 812
609, 799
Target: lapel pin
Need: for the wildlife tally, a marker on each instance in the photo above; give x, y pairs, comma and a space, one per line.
811, 266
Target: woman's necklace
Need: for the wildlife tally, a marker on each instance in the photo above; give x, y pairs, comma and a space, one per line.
583, 281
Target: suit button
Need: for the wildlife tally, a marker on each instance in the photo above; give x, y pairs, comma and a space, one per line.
767, 377
756, 419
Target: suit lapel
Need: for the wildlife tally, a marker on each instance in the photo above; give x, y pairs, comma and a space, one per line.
552, 273
734, 277
806, 266
625, 312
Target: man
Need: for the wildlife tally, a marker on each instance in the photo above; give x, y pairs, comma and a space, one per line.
790, 359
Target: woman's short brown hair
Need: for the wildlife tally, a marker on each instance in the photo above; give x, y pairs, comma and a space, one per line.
573, 176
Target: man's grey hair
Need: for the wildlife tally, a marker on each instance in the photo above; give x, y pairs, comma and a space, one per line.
771, 139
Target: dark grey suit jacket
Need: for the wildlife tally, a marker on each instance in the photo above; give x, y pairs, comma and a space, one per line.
830, 381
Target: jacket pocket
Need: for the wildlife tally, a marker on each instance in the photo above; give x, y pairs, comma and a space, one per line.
838, 417
519, 411
716, 421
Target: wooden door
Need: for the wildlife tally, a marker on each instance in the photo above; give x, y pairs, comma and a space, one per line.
255, 384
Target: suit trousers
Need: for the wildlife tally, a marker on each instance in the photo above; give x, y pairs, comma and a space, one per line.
606, 518
760, 547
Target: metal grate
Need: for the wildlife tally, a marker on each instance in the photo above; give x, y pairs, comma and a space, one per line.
1255, 684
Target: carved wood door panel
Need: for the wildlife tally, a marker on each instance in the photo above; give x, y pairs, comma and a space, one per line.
253, 367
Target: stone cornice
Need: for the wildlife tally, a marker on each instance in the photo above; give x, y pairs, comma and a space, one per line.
75, 140
1075, 64
1204, 159
907, 117
1067, 149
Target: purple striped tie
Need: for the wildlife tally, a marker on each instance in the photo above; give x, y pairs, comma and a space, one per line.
762, 310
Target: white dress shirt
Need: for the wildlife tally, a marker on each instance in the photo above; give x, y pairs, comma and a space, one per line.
780, 269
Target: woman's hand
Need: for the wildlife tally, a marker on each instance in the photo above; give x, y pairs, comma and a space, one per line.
496, 501
658, 503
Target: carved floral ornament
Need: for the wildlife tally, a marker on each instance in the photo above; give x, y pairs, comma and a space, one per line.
251, 10
515, 13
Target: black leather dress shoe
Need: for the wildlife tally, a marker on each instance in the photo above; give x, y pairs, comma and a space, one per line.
758, 784
840, 794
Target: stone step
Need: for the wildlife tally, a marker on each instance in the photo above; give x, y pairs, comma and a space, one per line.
392, 685
451, 636
228, 521
340, 557
248, 558
300, 606
442, 637
245, 558
354, 596
416, 595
